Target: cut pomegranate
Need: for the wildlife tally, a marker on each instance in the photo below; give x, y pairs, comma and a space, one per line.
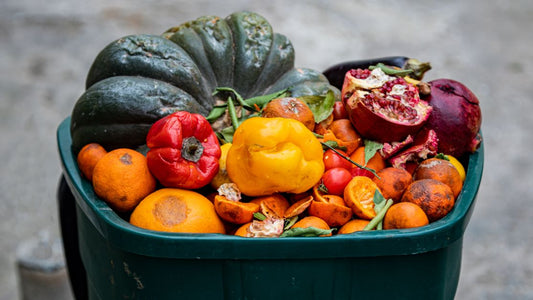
383, 108
425, 146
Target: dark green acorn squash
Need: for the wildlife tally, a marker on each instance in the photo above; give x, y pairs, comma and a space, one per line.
138, 79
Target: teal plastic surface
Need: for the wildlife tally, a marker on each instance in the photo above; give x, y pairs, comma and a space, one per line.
126, 262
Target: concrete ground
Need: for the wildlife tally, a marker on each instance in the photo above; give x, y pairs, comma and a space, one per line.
46, 48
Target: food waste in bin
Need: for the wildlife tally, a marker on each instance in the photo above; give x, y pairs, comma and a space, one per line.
209, 128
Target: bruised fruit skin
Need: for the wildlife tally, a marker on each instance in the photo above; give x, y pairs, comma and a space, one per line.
383, 108
292, 108
456, 117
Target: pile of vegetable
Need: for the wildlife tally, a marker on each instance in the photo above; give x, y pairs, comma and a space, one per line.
209, 128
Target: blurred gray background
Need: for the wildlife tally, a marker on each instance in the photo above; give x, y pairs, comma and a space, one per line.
46, 48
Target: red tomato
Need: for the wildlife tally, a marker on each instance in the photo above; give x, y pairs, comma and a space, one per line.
334, 160
335, 180
339, 112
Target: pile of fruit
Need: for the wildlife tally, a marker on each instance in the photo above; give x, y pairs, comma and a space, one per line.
209, 128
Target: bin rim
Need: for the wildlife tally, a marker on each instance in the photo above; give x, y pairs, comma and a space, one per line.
121, 234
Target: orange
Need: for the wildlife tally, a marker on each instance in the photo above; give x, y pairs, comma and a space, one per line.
404, 215
122, 179
433, 196
312, 221
235, 212
353, 226
87, 158
359, 196
441, 170
177, 210
392, 182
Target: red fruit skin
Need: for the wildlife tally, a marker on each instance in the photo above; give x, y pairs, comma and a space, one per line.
456, 117
356, 171
372, 125
376, 128
339, 112
333, 160
336, 180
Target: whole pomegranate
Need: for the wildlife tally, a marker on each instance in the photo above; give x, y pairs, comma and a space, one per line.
383, 108
456, 117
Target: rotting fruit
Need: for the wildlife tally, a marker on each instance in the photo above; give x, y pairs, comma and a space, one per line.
456, 117
381, 107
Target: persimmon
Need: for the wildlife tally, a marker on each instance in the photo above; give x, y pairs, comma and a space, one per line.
404, 215
177, 210
122, 179
87, 158
441, 170
433, 196
392, 182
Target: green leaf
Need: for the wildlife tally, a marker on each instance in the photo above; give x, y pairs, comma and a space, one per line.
379, 204
259, 216
289, 222
305, 232
371, 148
321, 106
379, 200
216, 113
226, 134
442, 156
264, 99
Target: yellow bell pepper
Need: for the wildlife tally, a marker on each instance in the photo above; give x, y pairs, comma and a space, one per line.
222, 175
270, 155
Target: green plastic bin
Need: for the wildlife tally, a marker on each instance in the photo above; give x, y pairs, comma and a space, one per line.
126, 262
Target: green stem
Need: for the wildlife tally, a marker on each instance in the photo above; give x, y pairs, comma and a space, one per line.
233, 114
391, 71
379, 217
353, 162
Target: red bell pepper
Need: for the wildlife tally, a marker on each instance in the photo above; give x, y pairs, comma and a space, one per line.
184, 150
